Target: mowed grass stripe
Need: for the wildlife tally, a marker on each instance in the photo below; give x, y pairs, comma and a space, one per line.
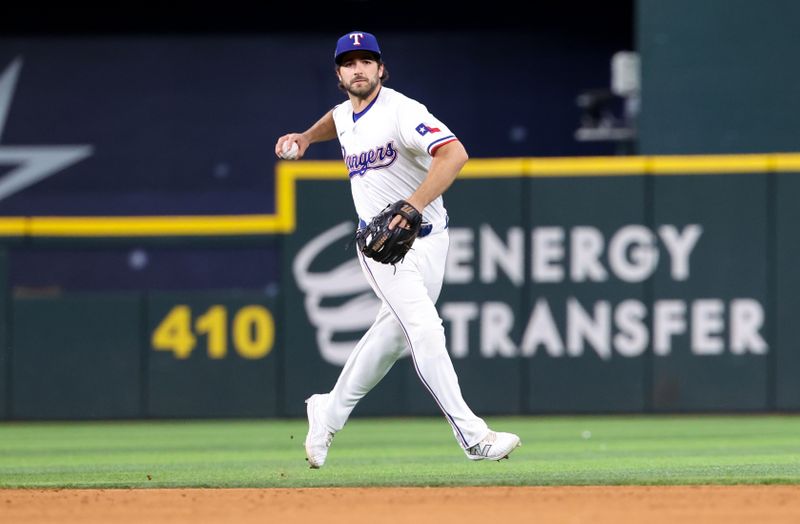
600, 450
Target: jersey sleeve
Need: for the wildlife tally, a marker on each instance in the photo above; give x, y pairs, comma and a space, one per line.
420, 131
336, 113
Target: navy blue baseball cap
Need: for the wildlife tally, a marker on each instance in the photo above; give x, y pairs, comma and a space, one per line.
356, 41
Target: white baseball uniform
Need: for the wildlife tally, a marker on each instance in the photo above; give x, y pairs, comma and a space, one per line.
388, 149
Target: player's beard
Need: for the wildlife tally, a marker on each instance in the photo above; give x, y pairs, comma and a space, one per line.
363, 90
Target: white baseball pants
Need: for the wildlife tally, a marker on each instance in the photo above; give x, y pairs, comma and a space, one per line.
407, 321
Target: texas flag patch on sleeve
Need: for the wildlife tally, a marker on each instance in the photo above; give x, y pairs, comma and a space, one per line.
434, 142
423, 129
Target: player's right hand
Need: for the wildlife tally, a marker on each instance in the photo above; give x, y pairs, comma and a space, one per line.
299, 138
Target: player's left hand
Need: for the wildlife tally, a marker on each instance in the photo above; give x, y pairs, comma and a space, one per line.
401, 221
389, 245
398, 221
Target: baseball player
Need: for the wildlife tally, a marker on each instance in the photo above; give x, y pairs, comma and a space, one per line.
395, 152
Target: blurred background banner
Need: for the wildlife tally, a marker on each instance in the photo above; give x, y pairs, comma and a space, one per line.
172, 126
186, 126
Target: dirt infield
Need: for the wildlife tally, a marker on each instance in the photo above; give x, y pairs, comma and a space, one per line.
596, 505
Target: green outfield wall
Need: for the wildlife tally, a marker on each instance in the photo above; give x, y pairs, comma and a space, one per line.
718, 76
573, 285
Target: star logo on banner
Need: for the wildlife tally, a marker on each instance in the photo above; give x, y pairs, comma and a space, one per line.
33, 163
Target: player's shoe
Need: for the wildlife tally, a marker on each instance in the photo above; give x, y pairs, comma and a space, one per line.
319, 437
494, 446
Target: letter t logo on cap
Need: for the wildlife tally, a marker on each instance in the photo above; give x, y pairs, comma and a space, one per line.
355, 37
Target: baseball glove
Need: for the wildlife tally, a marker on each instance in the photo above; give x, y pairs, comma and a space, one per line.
389, 246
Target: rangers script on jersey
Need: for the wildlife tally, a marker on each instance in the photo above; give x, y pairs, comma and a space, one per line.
387, 149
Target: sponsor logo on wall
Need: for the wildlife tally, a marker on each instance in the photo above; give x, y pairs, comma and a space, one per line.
338, 301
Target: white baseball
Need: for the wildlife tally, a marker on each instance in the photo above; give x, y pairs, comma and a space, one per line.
289, 150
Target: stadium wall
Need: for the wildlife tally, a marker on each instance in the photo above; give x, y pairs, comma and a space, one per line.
573, 285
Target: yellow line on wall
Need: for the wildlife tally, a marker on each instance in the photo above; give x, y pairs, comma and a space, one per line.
494, 168
786, 162
14, 226
288, 173
153, 226
727, 164
587, 166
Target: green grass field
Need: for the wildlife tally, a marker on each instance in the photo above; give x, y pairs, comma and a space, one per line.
402, 452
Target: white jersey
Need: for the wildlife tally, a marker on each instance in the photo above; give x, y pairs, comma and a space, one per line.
388, 148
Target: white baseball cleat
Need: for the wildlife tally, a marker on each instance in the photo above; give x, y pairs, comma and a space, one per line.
319, 437
494, 446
